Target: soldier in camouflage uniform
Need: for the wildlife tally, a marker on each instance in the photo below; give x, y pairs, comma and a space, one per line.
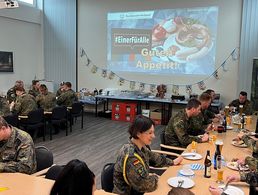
4, 107
46, 99
131, 170
242, 100
60, 90
24, 102
34, 91
17, 152
68, 97
11, 94
202, 122
176, 132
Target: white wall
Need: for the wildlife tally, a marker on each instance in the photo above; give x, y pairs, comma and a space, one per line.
92, 37
21, 33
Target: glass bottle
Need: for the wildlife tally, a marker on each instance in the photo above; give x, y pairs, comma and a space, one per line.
217, 153
207, 165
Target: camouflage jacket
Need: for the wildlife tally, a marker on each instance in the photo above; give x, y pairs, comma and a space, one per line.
17, 154
59, 92
46, 101
34, 92
24, 104
199, 123
176, 132
247, 106
11, 95
4, 107
67, 98
135, 162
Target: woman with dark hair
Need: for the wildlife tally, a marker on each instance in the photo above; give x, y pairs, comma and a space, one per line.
131, 172
75, 178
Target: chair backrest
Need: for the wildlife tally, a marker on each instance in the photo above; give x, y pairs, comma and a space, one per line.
35, 116
12, 119
107, 177
76, 108
162, 136
59, 112
44, 157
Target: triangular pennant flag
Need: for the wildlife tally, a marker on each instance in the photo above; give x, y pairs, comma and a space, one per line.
188, 89
94, 69
153, 88
82, 52
141, 86
216, 74
175, 89
104, 73
121, 81
201, 85
132, 85
223, 66
111, 75
235, 54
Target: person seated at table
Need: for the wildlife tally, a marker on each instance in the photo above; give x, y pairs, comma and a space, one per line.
24, 102
34, 90
61, 89
11, 93
46, 99
17, 151
131, 171
75, 179
202, 122
215, 110
242, 100
176, 131
4, 107
68, 97
180, 191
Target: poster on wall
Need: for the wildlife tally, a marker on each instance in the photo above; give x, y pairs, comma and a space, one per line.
6, 61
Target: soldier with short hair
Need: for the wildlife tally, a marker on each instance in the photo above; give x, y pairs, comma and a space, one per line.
24, 102
242, 100
61, 89
11, 94
68, 97
131, 171
17, 152
176, 132
46, 99
34, 91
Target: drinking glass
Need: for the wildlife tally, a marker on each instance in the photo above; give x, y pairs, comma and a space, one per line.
220, 169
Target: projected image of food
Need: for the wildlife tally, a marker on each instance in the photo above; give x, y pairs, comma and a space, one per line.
186, 38
181, 41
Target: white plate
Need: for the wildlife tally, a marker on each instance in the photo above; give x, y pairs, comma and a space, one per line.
188, 183
233, 165
229, 127
191, 156
239, 144
186, 172
232, 190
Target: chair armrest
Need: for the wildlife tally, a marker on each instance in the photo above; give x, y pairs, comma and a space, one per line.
166, 152
42, 172
172, 147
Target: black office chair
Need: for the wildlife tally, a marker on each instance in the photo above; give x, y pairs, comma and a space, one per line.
74, 112
58, 117
44, 158
12, 119
107, 177
34, 122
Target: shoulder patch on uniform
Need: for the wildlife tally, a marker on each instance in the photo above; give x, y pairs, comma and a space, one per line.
136, 161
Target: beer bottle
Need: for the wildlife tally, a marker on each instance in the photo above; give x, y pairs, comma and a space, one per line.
207, 165
256, 130
243, 122
217, 152
225, 123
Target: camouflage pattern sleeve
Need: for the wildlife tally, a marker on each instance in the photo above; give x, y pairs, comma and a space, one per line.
138, 176
158, 160
61, 98
17, 106
184, 138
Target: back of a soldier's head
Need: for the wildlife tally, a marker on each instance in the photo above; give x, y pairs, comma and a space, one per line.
193, 103
3, 123
68, 85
